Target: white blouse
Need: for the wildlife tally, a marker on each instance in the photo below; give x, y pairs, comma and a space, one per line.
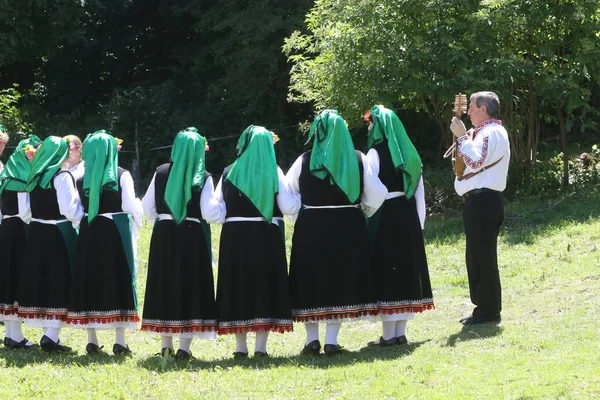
69, 203
129, 203
373, 195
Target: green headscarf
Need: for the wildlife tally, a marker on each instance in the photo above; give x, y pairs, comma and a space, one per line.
254, 172
46, 162
387, 125
17, 169
333, 156
187, 171
101, 168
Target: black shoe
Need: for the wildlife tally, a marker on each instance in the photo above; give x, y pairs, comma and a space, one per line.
183, 355
383, 343
166, 352
23, 344
401, 340
5, 341
261, 354
119, 350
92, 348
49, 345
333, 349
472, 320
240, 355
311, 349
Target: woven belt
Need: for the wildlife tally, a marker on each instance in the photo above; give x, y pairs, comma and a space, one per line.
478, 191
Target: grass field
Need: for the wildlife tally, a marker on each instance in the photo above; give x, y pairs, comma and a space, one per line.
547, 346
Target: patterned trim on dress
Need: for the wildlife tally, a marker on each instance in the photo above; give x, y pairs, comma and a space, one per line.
179, 327
334, 313
42, 313
103, 319
404, 306
8, 309
255, 325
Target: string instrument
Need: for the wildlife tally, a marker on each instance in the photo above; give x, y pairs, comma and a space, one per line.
458, 163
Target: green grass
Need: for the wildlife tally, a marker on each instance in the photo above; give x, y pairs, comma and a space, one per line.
547, 346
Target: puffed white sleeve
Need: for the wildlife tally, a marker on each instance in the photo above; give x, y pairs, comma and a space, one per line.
212, 204
292, 182
374, 191
129, 203
24, 207
67, 196
149, 203
420, 200
288, 202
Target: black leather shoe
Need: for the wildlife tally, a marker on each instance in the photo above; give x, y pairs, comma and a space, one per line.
472, 320
5, 340
49, 345
311, 349
183, 355
261, 354
23, 344
383, 343
401, 340
166, 352
119, 350
240, 355
333, 349
92, 348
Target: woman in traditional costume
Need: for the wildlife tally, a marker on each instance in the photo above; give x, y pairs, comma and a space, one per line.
180, 296
56, 211
103, 294
252, 289
15, 214
401, 283
329, 267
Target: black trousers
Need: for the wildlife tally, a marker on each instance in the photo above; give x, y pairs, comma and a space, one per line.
483, 215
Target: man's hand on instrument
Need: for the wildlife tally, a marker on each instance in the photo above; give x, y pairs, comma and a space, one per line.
457, 127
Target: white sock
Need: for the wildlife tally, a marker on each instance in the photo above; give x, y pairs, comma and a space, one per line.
389, 329
261, 341
240, 342
166, 341
185, 344
312, 331
331, 332
120, 336
52, 333
7, 329
401, 328
92, 337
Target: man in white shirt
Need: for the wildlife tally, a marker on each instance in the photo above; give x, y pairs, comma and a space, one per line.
485, 150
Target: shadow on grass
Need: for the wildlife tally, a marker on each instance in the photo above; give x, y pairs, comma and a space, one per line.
472, 332
364, 355
23, 358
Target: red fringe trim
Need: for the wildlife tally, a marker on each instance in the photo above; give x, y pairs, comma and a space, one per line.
327, 315
43, 315
84, 320
268, 327
171, 329
9, 311
389, 310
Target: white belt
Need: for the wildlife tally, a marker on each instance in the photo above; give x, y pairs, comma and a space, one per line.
344, 206
9, 216
170, 217
49, 221
252, 219
393, 195
107, 215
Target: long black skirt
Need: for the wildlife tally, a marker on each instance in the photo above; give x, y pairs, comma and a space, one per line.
329, 268
45, 280
252, 287
103, 293
401, 282
180, 294
12, 254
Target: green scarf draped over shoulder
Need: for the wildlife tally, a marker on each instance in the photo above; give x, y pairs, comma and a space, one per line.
47, 162
101, 168
187, 171
254, 172
333, 156
17, 169
387, 125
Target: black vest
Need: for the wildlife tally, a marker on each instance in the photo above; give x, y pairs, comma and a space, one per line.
44, 204
238, 205
392, 179
160, 186
110, 201
9, 203
319, 192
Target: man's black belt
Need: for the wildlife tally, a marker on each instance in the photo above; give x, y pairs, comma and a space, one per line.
478, 191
